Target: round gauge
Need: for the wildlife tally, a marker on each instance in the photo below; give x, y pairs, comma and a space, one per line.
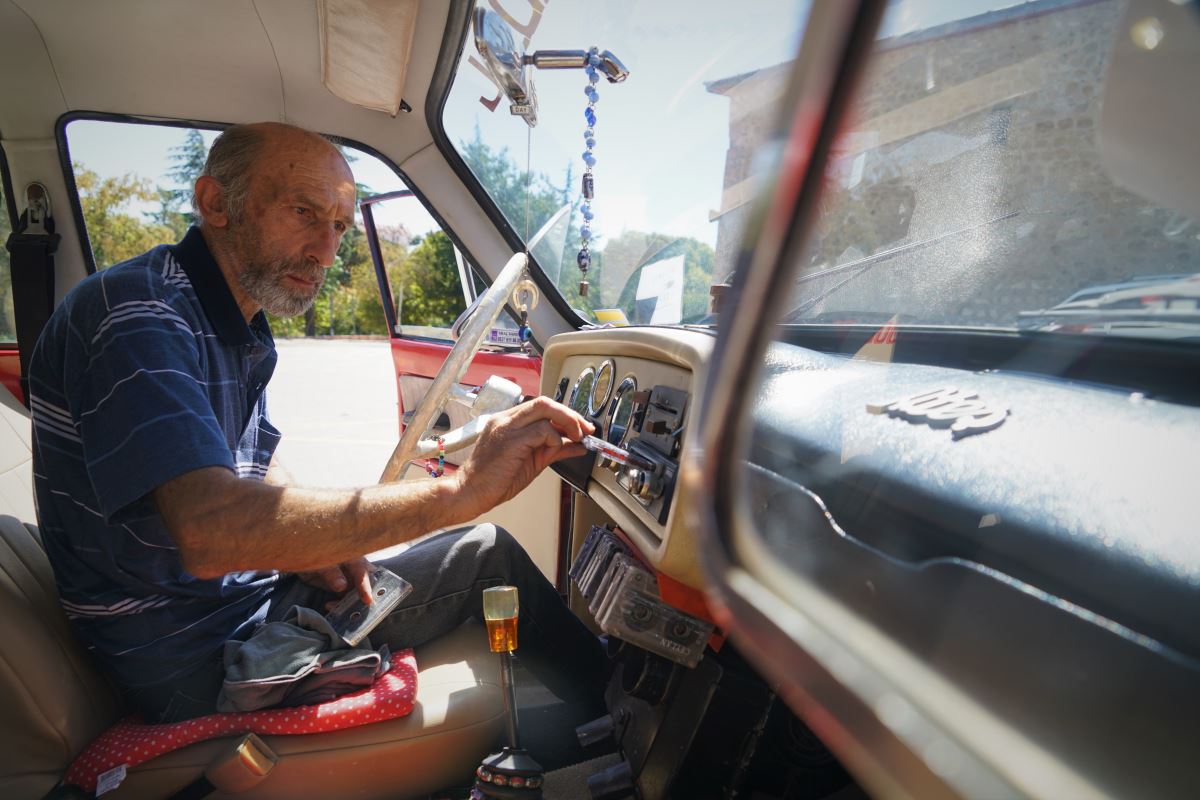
618, 423
582, 390
601, 388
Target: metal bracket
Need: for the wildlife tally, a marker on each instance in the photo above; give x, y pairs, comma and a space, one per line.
37, 204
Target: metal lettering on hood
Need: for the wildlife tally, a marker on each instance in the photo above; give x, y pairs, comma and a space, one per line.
960, 410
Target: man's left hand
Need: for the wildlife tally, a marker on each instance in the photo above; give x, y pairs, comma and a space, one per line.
339, 578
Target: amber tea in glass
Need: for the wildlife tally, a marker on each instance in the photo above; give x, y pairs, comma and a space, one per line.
500, 614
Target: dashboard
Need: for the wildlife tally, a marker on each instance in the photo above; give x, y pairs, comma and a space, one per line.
639, 386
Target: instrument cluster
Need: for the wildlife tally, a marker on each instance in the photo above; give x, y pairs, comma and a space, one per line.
590, 396
647, 422
635, 384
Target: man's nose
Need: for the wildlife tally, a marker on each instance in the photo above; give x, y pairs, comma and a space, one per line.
323, 246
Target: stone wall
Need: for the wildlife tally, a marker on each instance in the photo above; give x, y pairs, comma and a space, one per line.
972, 159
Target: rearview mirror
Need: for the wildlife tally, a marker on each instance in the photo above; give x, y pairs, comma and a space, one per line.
496, 45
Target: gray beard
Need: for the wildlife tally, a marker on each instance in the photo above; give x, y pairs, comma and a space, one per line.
263, 282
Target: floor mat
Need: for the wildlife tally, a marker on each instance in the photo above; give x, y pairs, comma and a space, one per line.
570, 783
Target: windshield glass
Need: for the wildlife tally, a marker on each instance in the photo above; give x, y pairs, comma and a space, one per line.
674, 144
970, 189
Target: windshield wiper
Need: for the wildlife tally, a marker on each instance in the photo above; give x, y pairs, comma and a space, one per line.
863, 265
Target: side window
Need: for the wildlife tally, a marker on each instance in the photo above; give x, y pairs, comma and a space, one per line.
8, 325
429, 280
135, 186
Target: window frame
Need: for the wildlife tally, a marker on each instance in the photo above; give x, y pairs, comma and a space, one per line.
9, 196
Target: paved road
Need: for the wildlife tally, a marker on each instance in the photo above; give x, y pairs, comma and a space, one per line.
335, 401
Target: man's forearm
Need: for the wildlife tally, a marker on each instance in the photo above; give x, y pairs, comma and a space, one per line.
243, 524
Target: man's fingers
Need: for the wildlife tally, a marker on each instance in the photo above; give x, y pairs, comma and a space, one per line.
570, 423
331, 579
567, 449
356, 572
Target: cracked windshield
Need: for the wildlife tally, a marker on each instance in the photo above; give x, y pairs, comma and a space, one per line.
673, 145
967, 190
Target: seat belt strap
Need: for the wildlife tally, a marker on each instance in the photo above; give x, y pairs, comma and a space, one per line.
31, 249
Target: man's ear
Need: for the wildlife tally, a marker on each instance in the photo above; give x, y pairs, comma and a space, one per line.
210, 197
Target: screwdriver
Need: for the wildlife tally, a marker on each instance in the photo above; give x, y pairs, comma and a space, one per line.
617, 454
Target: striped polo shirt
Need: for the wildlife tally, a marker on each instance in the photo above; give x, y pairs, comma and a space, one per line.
147, 370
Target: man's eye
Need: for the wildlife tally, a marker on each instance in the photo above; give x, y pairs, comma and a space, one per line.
301, 210
340, 227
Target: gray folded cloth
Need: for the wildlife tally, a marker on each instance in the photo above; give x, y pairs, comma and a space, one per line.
298, 661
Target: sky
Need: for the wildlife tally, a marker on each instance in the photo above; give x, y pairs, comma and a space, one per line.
661, 137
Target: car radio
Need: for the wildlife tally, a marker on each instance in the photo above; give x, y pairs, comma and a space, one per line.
653, 435
649, 425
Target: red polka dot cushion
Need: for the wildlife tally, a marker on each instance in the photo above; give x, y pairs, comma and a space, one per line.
131, 742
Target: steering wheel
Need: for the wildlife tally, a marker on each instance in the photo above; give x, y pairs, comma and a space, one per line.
487, 309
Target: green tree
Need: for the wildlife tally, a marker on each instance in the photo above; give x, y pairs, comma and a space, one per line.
429, 283
520, 193
188, 159
117, 235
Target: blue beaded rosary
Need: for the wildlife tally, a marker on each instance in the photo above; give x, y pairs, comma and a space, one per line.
584, 259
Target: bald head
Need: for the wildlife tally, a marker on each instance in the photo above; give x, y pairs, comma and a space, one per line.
256, 152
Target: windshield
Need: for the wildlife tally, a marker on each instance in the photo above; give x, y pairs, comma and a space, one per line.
970, 189
674, 145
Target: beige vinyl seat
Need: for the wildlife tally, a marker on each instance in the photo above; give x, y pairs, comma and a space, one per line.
55, 701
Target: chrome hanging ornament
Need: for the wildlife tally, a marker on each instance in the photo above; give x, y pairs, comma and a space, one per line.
584, 259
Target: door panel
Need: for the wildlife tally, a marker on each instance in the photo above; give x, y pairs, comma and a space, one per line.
10, 372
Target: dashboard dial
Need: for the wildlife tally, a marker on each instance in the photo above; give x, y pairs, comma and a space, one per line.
601, 388
582, 390
618, 423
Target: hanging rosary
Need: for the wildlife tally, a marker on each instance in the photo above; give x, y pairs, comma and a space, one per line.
589, 188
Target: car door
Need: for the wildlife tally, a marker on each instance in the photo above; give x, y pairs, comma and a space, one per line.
426, 282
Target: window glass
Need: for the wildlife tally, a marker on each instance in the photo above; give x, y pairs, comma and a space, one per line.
969, 188
673, 144
8, 325
135, 183
422, 267
966, 193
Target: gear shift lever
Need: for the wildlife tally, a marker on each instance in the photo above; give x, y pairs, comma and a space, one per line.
511, 773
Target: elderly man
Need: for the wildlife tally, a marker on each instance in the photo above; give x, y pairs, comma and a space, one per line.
152, 442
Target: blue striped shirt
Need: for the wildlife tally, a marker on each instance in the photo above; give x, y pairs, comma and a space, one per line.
147, 371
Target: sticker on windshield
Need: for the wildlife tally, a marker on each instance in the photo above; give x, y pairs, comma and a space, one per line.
659, 296
503, 337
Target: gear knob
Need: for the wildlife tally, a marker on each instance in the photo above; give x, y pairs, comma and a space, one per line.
500, 606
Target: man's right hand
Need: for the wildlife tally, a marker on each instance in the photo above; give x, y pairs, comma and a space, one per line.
341, 578
209, 511
514, 447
